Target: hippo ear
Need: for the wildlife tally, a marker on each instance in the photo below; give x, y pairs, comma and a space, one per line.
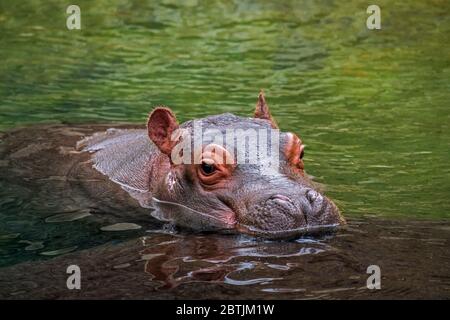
262, 110
160, 125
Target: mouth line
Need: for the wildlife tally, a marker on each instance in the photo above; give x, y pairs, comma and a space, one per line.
217, 222
305, 216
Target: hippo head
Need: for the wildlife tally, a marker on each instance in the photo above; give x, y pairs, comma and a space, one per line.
237, 173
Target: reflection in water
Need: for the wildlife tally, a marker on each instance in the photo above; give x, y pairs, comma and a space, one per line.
218, 259
166, 262
413, 257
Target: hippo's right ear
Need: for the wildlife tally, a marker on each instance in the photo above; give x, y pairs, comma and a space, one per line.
262, 110
160, 125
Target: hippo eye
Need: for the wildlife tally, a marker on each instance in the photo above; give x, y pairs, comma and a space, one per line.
208, 169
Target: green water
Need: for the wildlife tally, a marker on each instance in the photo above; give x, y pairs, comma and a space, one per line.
371, 106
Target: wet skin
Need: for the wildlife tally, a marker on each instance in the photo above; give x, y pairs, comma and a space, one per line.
217, 192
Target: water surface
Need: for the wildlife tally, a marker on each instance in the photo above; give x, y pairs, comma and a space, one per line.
371, 106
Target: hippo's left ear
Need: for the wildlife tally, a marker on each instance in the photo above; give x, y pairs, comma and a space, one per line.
161, 125
262, 110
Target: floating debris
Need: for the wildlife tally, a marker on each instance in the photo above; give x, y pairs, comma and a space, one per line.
121, 227
32, 245
59, 251
9, 236
68, 216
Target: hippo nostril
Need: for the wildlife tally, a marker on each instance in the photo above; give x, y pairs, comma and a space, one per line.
312, 195
279, 203
280, 197
278, 212
288, 207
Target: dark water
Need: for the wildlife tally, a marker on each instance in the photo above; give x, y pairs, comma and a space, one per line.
413, 257
371, 106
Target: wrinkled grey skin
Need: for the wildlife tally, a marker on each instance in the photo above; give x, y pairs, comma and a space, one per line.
282, 204
280, 201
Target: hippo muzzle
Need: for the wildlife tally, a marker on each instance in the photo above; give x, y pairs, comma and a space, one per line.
284, 215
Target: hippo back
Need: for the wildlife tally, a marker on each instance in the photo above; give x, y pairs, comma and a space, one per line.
124, 156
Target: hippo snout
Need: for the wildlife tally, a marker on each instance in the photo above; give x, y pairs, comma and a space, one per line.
276, 213
283, 213
280, 212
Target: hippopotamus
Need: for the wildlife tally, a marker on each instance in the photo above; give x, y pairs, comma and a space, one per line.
213, 186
